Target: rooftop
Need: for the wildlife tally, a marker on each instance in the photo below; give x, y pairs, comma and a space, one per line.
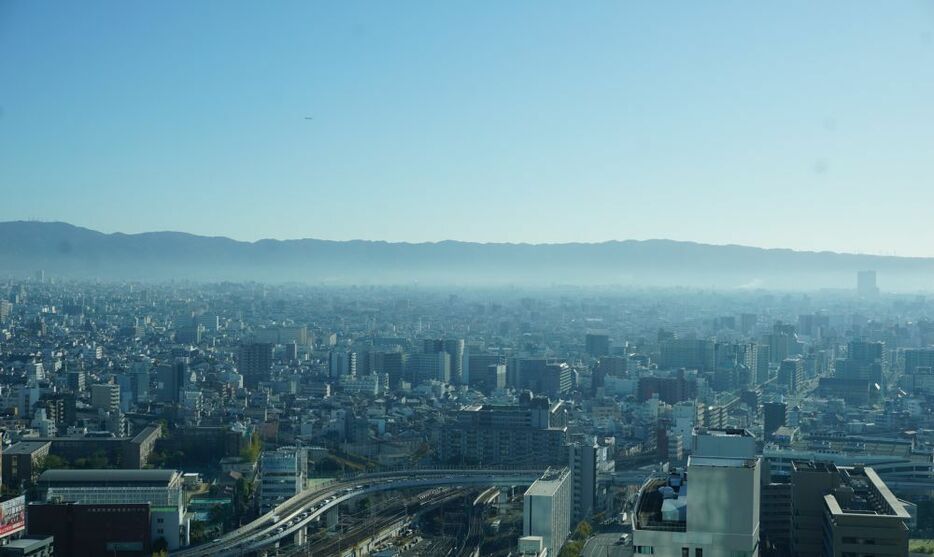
25, 447
862, 492
722, 462
662, 504
549, 482
108, 477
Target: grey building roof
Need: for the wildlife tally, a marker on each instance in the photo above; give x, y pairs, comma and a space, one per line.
107, 477
25, 447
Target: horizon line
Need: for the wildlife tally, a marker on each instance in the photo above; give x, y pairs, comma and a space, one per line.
459, 241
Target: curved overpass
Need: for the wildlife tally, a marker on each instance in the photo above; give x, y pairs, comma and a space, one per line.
298, 512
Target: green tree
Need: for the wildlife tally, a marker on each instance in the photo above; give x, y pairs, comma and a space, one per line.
583, 530
253, 449
571, 549
52, 462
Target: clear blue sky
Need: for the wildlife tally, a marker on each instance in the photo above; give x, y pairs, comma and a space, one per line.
798, 124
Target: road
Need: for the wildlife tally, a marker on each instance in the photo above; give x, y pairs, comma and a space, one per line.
598, 546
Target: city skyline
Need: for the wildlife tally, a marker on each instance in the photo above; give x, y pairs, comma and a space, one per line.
718, 123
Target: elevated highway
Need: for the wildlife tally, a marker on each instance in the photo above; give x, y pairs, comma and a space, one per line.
294, 515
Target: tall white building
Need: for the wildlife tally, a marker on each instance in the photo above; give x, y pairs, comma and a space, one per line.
718, 516
546, 509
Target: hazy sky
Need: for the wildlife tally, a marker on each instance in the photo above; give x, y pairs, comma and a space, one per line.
796, 124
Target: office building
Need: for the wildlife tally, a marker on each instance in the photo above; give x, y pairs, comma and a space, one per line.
918, 358
532, 433
841, 511
866, 284
159, 490
696, 354
597, 344
371, 384
489, 379
671, 390
21, 462
434, 366
188, 334
77, 380
773, 416
341, 363
476, 364
454, 348
551, 378
92, 530
546, 509
106, 397
717, 517
791, 374
582, 460
255, 363
615, 366
282, 475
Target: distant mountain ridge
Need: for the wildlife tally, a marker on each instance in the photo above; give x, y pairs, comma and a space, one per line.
74, 252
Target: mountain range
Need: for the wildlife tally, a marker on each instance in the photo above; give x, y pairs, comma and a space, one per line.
70, 251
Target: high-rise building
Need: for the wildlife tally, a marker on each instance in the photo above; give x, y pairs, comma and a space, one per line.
866, 284
791, 374
6, 309
478, 364
490, 379
717, 517
188, 334
341, 363
773, 416
582, 459
532, 433
687, 353
918, 358
556, 380
282, 475
546, 509
597, 344
615, 366
839, 511
736, 365
394, 365
255, 363
866, 360
454, 348
173, 379
106, 397
435, 366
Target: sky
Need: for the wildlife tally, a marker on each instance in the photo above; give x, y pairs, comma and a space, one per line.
793, 124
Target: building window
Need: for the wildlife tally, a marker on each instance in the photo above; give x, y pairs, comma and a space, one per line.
698, 552
685, 552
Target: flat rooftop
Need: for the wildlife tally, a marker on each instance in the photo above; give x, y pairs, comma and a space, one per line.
649, 513
25, 447
862, 492
549, 482
107, 478
722, 461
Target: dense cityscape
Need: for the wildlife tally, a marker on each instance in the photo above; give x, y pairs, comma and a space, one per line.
252, 419
422, 278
